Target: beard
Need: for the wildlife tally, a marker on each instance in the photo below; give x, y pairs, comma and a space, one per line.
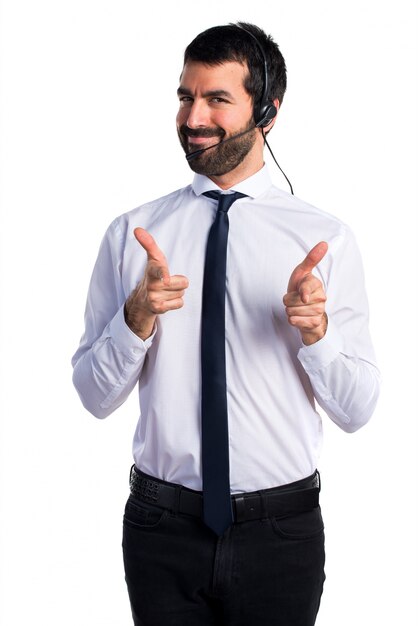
222, 158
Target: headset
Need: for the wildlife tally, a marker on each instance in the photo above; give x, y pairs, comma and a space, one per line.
265, 111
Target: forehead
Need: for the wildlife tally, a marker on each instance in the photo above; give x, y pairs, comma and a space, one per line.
198, 77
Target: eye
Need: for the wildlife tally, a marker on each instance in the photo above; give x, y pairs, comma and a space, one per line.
218, 100
185, 99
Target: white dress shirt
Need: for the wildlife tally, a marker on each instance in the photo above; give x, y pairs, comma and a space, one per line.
273, 380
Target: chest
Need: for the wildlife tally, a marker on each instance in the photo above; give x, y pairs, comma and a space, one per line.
262, 250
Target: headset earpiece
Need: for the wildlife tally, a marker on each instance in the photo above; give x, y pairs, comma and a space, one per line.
267, 113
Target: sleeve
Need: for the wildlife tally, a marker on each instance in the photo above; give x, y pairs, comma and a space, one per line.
342, 365
110, 357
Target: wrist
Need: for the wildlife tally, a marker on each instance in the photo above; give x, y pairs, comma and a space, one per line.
312, 336
142, 324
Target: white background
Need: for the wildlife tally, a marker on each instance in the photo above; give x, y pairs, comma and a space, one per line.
87, 132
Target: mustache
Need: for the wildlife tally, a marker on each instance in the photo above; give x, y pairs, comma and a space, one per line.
201, 132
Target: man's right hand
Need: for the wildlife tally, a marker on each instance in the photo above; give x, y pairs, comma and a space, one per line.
157, 292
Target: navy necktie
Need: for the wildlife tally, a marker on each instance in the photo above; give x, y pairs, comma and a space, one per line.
217, 507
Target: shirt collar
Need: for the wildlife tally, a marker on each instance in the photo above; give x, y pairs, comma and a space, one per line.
253, 186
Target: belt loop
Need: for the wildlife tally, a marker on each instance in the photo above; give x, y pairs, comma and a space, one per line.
238, 508
264, 505
176, 502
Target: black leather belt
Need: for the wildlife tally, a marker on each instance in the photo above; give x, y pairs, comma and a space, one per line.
283, 501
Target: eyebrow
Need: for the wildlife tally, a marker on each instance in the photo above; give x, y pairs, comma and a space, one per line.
182, 91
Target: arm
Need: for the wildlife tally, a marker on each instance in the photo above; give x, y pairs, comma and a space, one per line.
337, 354
118, 334
110, 356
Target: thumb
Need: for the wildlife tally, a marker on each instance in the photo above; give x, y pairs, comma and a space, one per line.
157, 263
314, 257
311, 260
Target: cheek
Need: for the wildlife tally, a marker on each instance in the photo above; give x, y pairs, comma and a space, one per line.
232, 121
180, 117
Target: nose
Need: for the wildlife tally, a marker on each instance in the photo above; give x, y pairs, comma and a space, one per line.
197, 114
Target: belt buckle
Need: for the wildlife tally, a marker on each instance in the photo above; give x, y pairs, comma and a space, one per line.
249, 507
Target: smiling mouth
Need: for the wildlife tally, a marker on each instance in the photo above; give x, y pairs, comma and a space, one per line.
200, 140
200, 135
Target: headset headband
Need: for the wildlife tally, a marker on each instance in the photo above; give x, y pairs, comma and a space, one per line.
266, 111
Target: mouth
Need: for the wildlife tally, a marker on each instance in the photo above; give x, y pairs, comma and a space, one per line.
198, 141
202, 137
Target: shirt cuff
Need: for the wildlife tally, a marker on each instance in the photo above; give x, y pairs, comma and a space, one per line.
324, 351
127, 341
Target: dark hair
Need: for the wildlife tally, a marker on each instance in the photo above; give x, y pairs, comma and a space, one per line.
231, 43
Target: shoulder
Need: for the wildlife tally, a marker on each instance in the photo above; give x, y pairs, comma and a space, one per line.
146, 214
153, 207
299, 207
303, 220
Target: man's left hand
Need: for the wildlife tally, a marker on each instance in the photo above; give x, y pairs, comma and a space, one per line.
305, 298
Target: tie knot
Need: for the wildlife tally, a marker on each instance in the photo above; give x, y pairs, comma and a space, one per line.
225, 200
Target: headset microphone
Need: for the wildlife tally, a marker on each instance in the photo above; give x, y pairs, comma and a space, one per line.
196, 153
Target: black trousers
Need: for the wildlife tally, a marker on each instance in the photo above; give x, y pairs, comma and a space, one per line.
267, 572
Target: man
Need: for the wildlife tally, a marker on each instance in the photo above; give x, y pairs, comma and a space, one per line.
286, 325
